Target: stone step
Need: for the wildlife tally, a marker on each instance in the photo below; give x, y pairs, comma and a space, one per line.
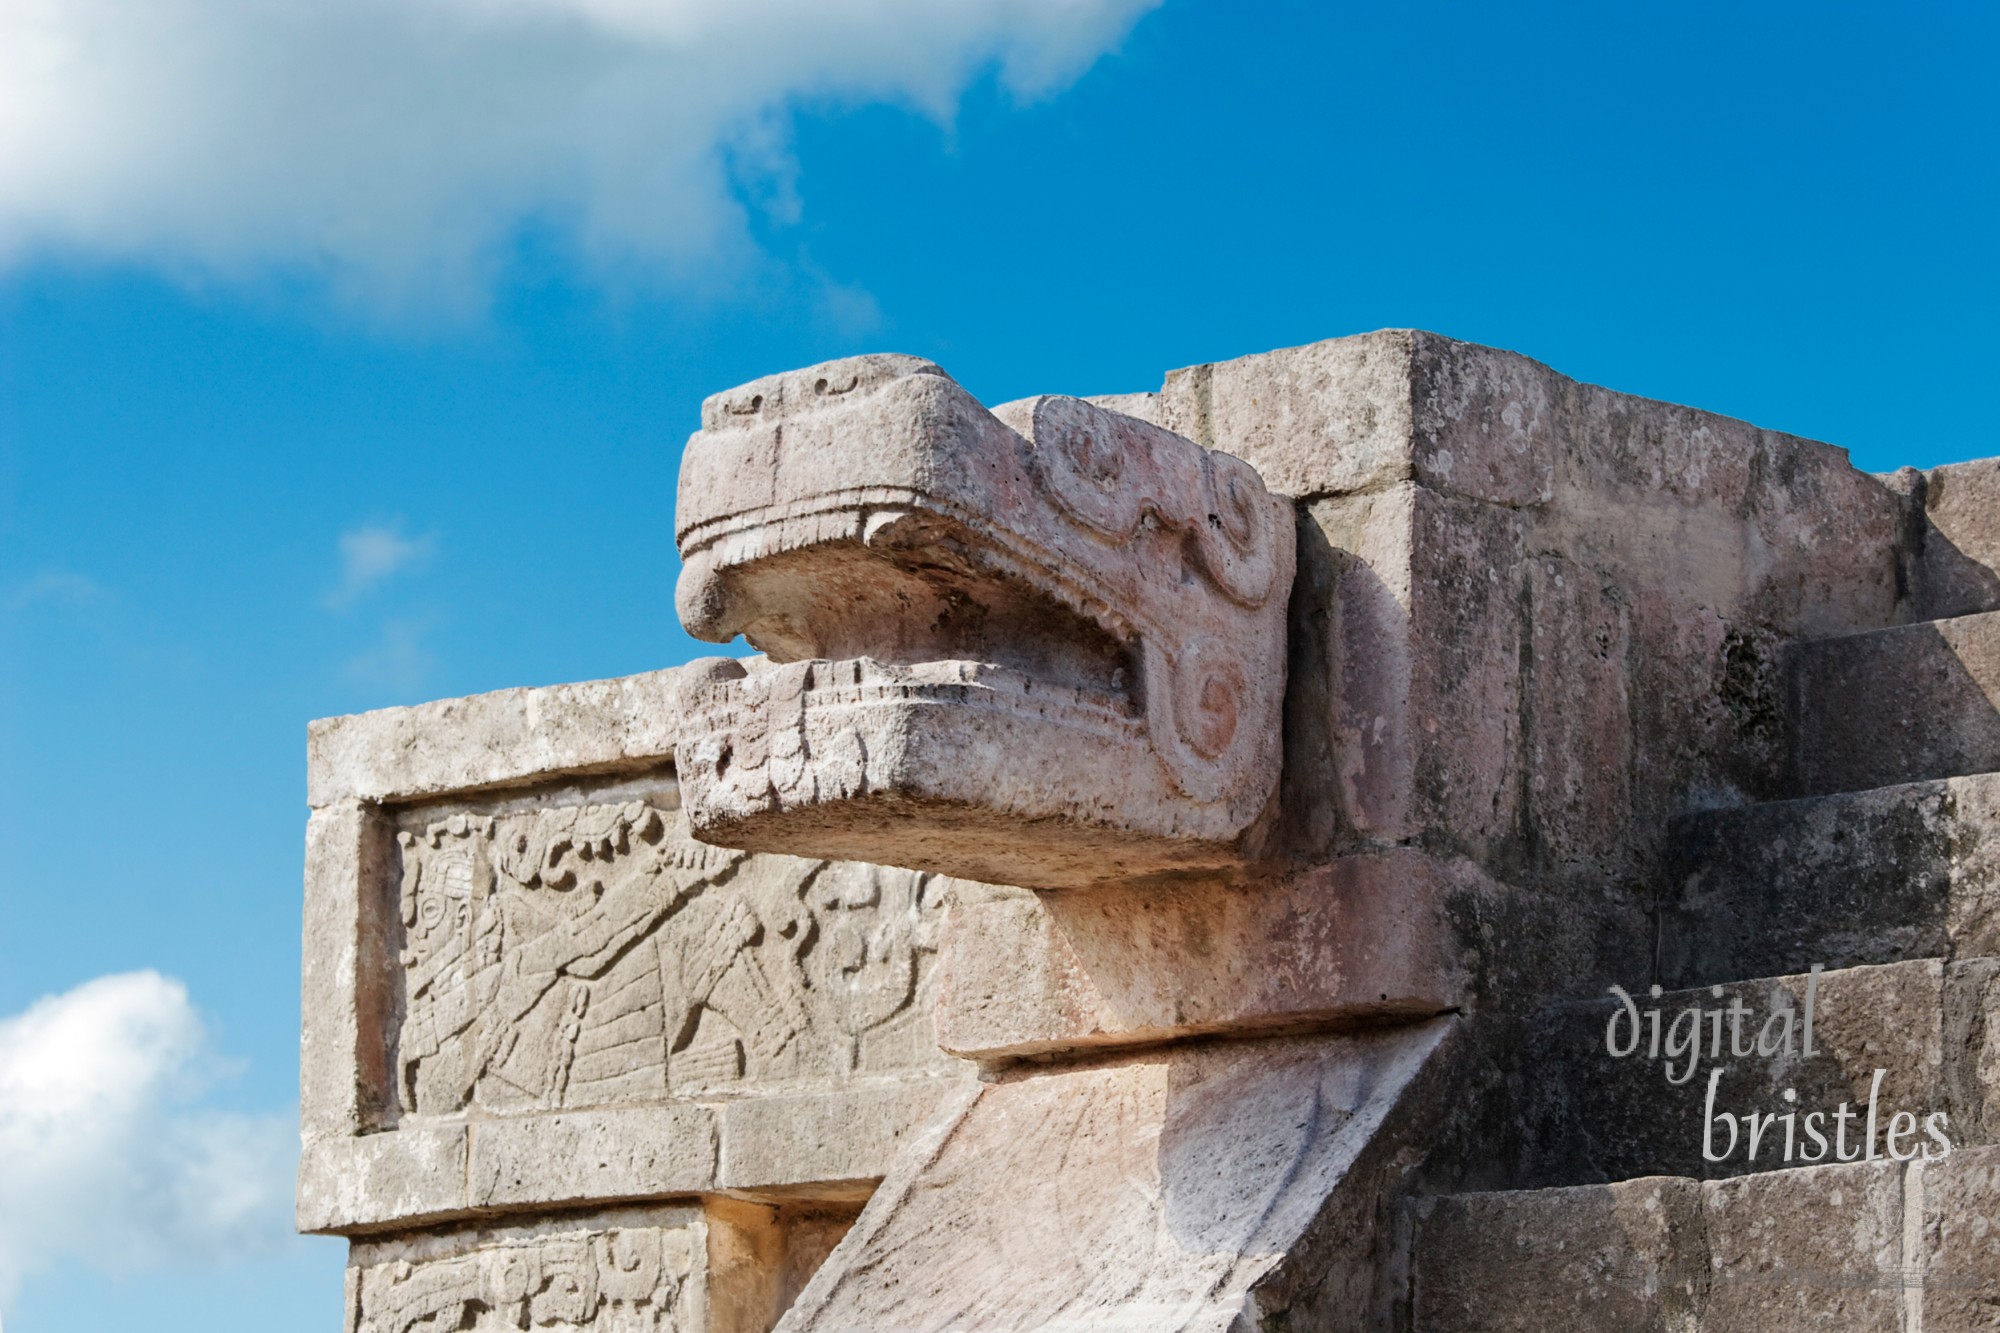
1895, 705
1730, 1085
1868, 1246
1958, 550
1879, 876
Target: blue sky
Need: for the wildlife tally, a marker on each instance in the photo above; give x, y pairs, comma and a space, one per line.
304, 412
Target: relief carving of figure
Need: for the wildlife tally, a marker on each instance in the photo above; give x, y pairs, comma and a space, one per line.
595, 954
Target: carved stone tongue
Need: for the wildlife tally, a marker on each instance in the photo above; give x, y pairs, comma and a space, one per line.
1056, 617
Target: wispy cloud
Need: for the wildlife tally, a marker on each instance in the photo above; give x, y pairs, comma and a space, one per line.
109, 1155
372, 554
56, 587
394, 145
399, 660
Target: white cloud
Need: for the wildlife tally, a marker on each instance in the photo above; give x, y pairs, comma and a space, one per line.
393, 144
57, 587
108, 1156
370, 555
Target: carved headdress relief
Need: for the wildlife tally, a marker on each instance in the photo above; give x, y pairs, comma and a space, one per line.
973, 621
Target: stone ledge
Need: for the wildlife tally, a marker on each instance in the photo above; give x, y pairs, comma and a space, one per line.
1896, 705
828, 1147
1869, 1245
487, 741
824, 1147
375, 1181
1844, 880
1367, 938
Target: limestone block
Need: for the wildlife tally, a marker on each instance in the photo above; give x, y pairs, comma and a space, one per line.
1351, 737
1856, 878
1897, 705
1422, 667
1351, 414
1325, 418
1623, 1258
571, 1157
1049, 613
347, 967
356, 1184
1593, 1116
1648, 493
826, 1145
1368, 937
1468, 563
620, 1271
1763, 527
505, 738
1805, 1250
1974, 910
1577, 719
761, 1255
1961, 544
1144, 406
1972, 1049
1174, 1189
1954, 1233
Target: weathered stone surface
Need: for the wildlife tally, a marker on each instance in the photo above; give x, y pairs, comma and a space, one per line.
1624, 1258
1952, 1231
1806, 1250
1421, 696
1329, 417
621, 1271
761, 1255
1366, 938
577, 1157
827, 1144
1874, 876
347, 965
1048, 613
1960, 559
1646, 492
1868, 1245
1896, 705
374, 1180
1161, 1191
1972, 1049
502, 739
1595, 1117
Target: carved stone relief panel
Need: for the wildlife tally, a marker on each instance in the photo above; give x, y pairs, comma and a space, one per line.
561, 956
628, 1271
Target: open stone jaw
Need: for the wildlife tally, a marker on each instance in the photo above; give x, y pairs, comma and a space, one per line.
853, 755
1040, 645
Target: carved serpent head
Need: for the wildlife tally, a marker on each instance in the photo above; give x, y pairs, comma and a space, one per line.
1043, 644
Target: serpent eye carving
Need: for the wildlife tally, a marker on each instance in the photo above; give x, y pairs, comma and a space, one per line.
1208, 707
1093, 470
